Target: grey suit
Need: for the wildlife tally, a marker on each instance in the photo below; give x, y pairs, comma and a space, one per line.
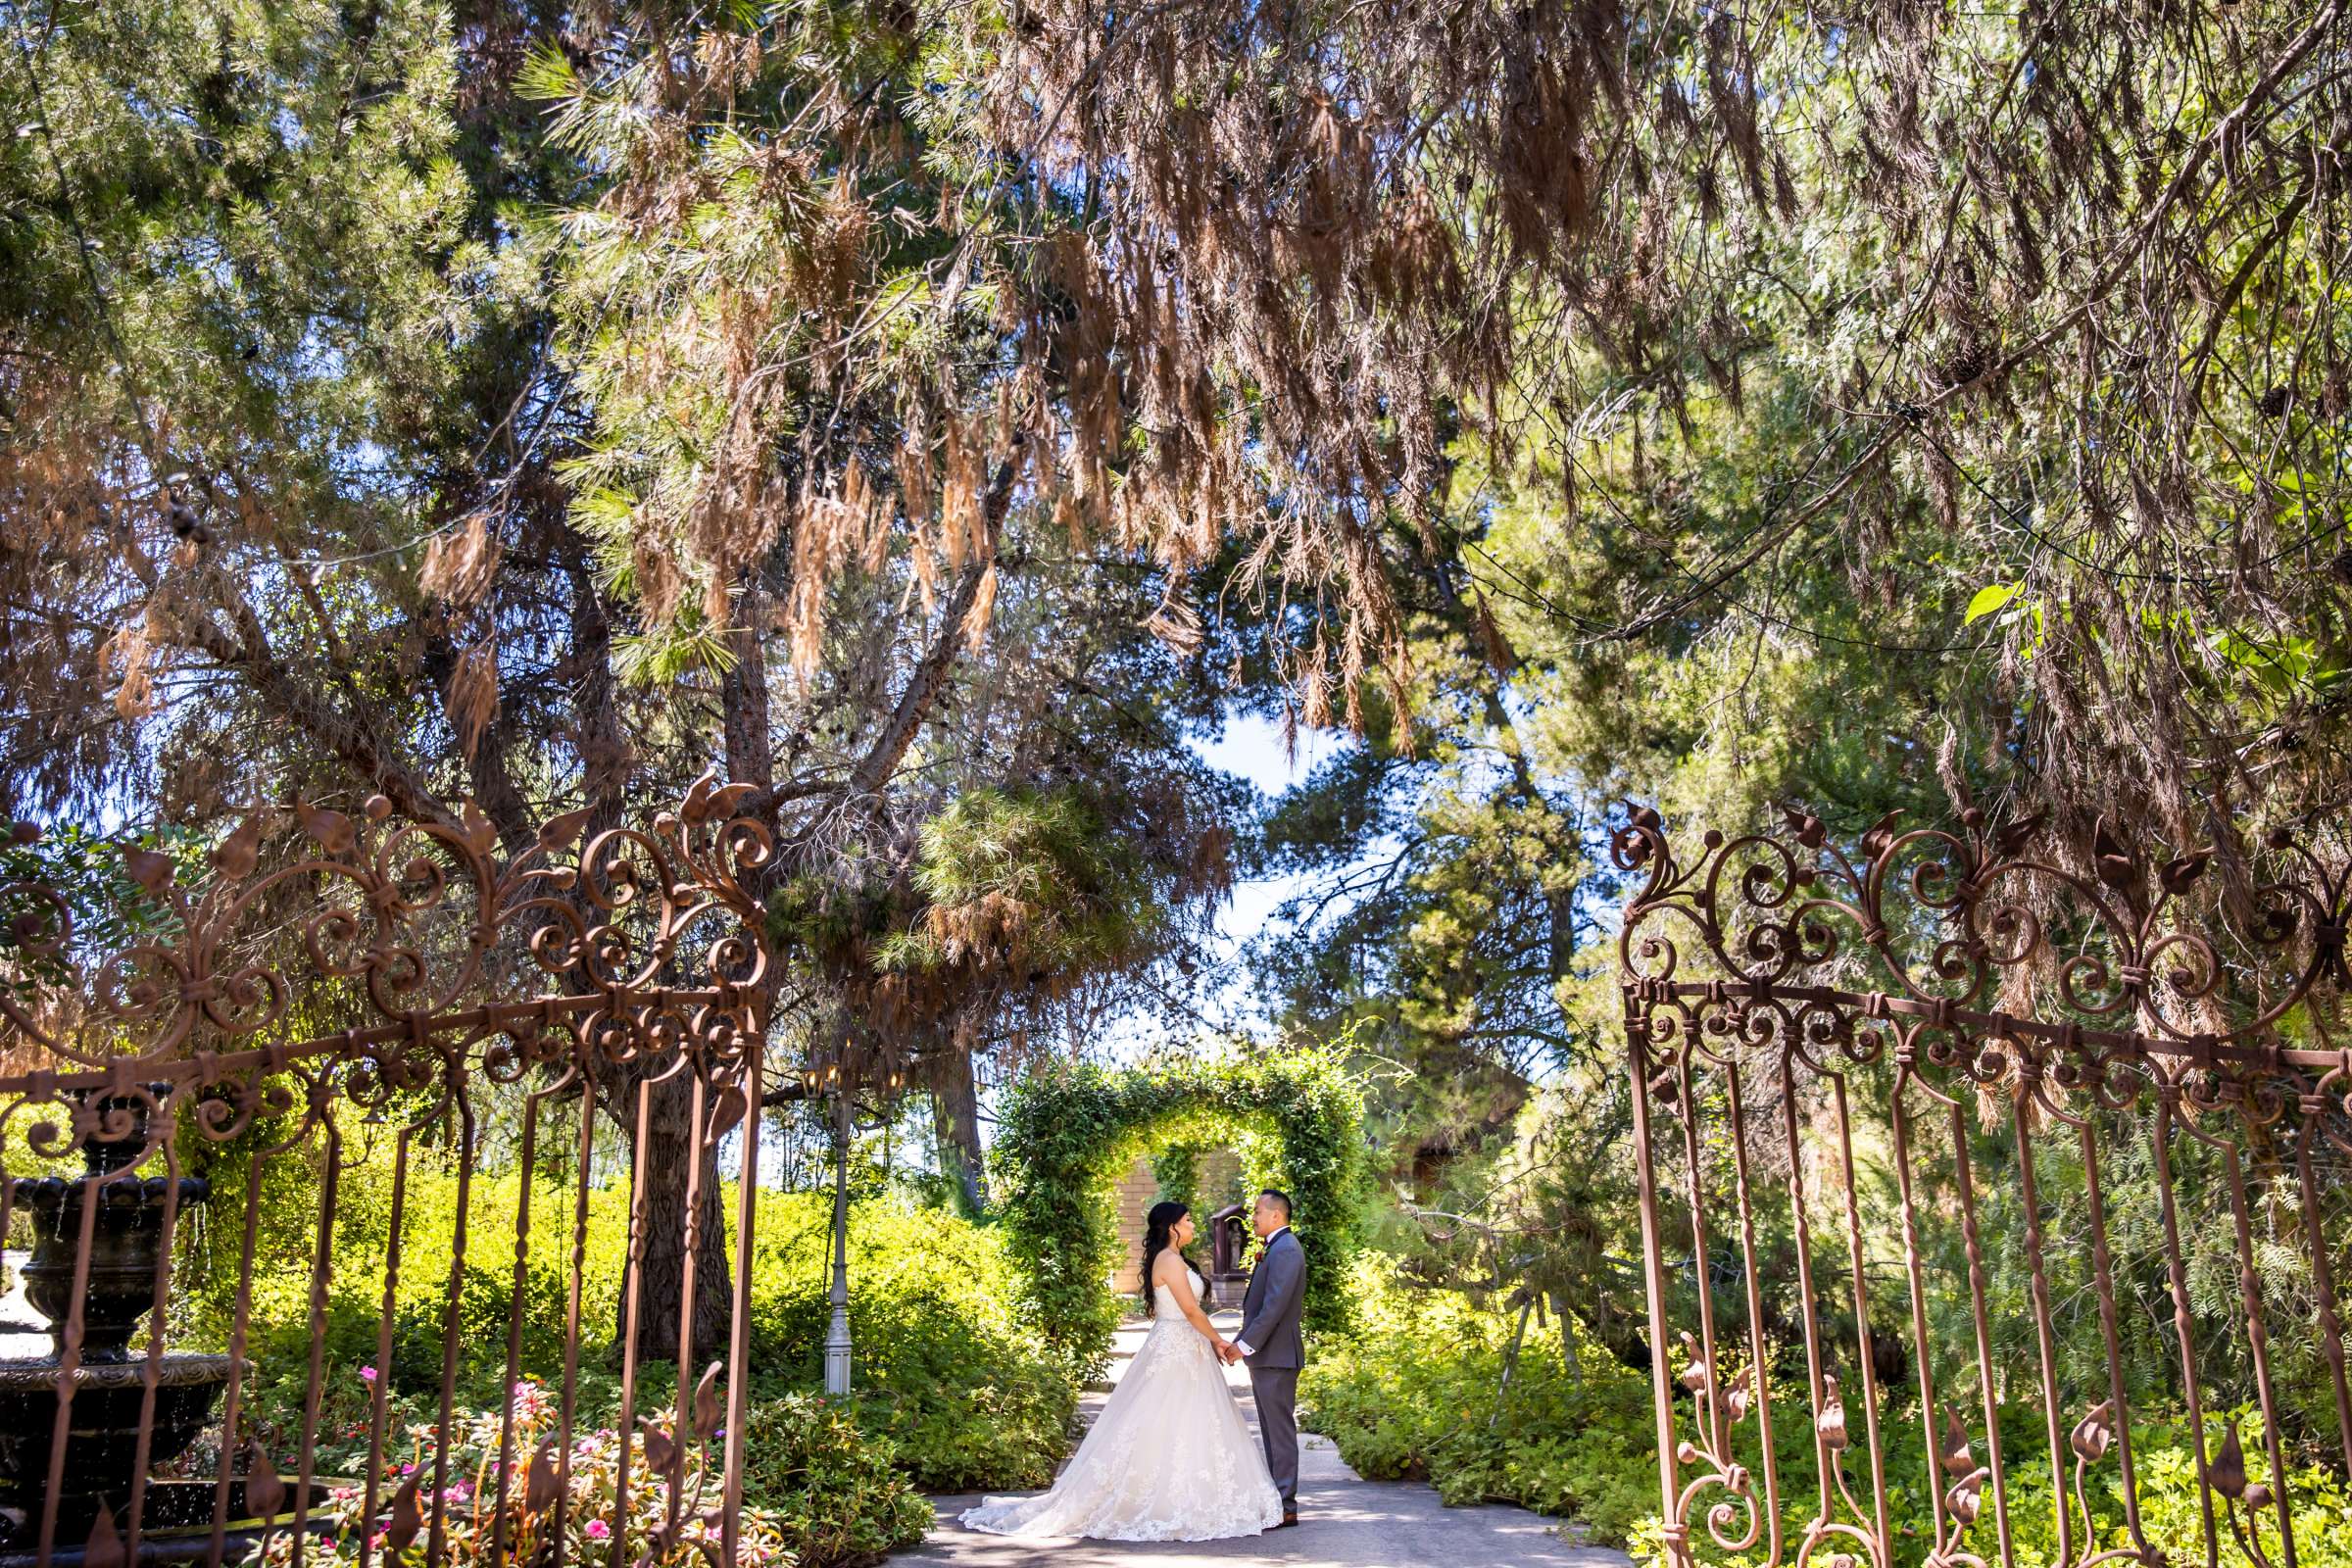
1270, 1311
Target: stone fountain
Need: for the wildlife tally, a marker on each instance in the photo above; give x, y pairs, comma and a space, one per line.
128, 1243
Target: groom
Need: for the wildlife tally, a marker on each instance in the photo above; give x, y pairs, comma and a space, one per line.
1269, 1341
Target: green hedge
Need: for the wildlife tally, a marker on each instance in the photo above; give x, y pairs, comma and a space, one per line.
948, 1373
943, 1353
1064, 1138
1413, 1396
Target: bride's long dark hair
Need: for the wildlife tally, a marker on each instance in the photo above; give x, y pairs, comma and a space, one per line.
1156, 1226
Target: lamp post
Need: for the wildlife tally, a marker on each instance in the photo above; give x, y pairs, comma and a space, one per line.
838, 1069
837, 1333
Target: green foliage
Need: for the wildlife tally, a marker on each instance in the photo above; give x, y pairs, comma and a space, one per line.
705, 293
1064, 1139
1416, 1396
943, 1366
837, 1490
1027, 883
818, 1491
1177, 1170
1418, 1393
947, 1379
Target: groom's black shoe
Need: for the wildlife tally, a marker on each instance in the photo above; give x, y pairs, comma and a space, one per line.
1290, 1517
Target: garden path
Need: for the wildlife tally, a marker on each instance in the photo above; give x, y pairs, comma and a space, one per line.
1344, 1521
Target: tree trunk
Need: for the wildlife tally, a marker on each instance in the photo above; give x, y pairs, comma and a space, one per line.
669, 1138
665, 1159
604, 751
743, 702
956, 1120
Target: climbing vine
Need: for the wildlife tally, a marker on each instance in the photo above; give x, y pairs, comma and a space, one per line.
1295, 1119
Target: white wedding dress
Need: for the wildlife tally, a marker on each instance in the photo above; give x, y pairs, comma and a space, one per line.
1170, 1458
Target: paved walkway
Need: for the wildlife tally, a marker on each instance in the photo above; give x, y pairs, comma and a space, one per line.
1344, 1521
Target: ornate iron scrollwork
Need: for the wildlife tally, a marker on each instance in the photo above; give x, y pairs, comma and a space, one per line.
1942, 990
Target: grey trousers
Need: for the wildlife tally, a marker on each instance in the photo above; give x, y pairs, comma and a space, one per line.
1276, 1391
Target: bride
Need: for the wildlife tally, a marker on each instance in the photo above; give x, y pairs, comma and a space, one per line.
1170, 1457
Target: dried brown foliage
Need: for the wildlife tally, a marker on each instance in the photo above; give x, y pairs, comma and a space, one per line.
2088, 257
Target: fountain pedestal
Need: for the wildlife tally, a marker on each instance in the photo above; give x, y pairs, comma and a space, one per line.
108, 1386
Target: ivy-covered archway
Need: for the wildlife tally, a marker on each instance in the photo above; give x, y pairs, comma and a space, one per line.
1296, 1118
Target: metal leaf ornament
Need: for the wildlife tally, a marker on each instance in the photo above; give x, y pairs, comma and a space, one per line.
407, 1517
104, 1548
540, 1488
331, 830
706, 1408
1694, 1375
479, 833
2092, 1436
1881, 834
1966, 1499
2012, 839
557, 833
1954, 1455
2115, 863
2180, 874
151, 870
236, 856
661, 1449
2228, 1472
1831, 1423
1806, 828
265, 1492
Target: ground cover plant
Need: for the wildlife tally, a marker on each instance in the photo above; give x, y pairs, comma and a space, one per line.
1421, 1394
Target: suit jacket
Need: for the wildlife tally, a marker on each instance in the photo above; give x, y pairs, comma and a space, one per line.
1270, 1308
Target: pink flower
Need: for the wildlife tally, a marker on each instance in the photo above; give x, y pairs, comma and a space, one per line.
367, 1374
598, 1530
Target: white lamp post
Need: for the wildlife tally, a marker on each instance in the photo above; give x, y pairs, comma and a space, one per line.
837, 1333
838, 1070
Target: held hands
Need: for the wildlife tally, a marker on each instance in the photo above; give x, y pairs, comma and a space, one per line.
1227, 1353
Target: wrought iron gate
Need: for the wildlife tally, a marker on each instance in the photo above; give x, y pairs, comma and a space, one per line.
329, 978
1974, 1190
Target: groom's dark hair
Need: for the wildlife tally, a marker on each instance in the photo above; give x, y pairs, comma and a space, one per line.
1280, 1197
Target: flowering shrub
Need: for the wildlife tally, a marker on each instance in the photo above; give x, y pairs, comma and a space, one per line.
949, 1377
548, 1490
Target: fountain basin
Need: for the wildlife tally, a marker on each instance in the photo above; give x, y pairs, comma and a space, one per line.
102, 1434
127, 1247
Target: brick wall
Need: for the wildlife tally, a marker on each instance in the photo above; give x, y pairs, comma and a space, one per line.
1220, 1171
1137, 1192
